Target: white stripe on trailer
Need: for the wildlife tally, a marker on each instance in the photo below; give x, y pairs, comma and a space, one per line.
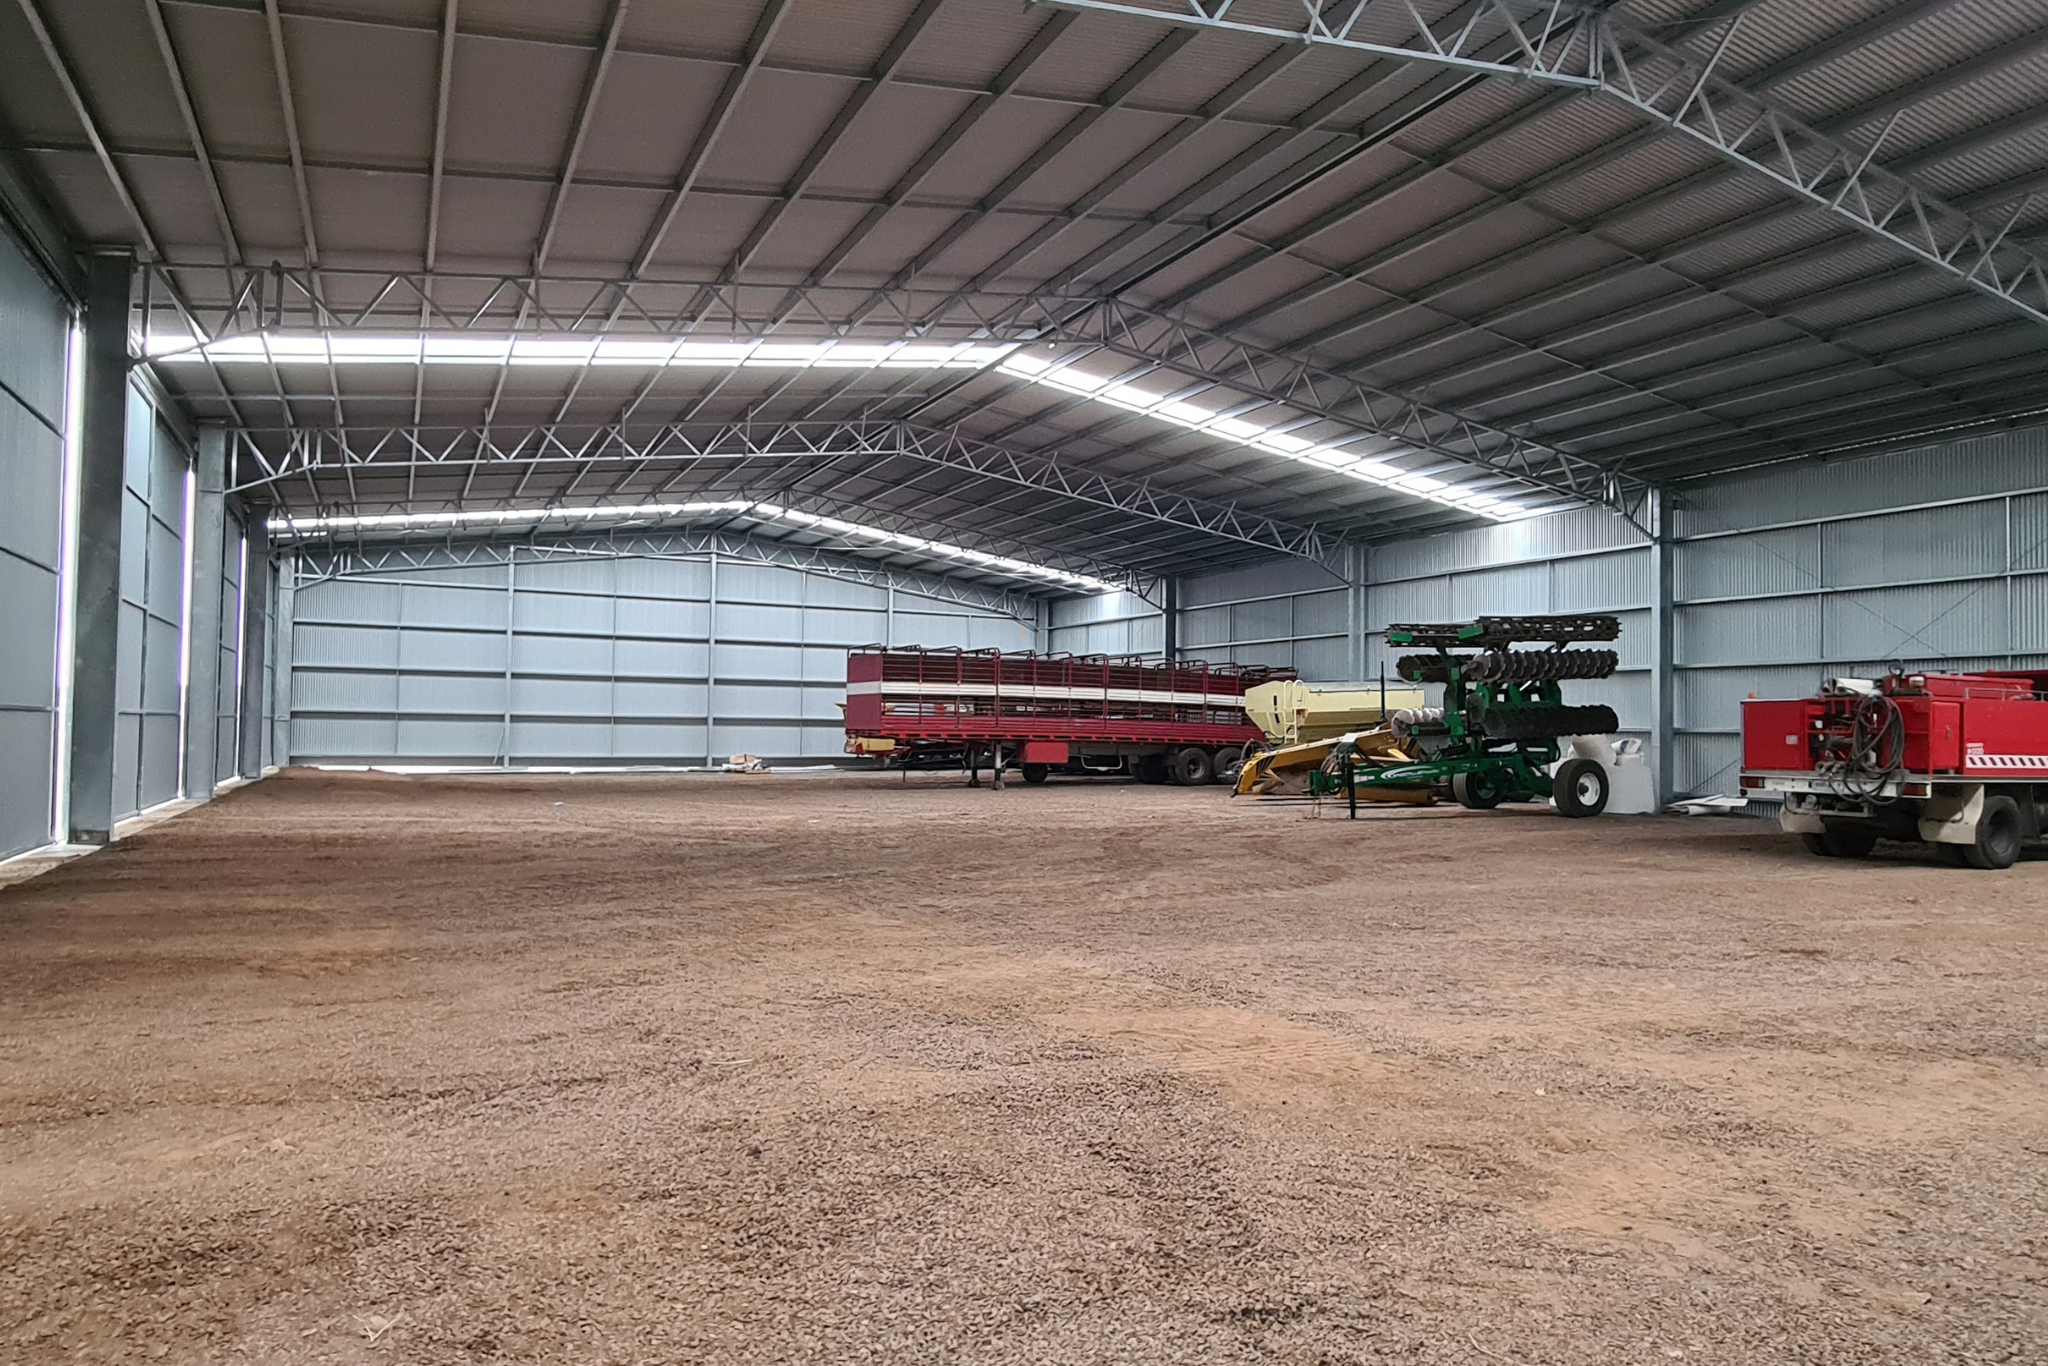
1041, 692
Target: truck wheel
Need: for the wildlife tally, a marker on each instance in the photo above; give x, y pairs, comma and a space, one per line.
1150, 768
1842, 841
1191, 767
1035, 773
1229, 763
1998, 835
1480, 791
1580, 788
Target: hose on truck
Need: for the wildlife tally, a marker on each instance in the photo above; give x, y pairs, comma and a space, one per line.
1876, 753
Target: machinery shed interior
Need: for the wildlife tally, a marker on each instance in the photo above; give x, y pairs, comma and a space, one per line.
439, 439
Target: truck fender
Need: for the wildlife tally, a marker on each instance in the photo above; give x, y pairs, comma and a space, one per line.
1951, 815
1794, 821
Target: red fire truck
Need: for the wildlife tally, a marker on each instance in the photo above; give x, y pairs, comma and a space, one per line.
1959, 761
1046, 714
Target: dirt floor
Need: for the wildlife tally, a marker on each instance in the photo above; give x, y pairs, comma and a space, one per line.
798, 1069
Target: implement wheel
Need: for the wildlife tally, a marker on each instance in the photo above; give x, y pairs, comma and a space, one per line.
1580, 788
1035, 773
1479, 791
1191, 767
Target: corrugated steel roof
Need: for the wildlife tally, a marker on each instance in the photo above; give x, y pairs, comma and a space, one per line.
1534, 258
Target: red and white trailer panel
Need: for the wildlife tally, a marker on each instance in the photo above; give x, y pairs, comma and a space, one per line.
1183, 722
1959, 761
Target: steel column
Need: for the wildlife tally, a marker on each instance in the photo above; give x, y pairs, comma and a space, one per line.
1661, 647
96, 564
202, 615
1169, 613
255, 651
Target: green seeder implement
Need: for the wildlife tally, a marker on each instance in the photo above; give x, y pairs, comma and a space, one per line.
1496, 737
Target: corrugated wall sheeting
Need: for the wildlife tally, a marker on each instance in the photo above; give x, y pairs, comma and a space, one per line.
34, 328
596, 660
1112, 624
228, 687
1933, 558
146, 736
1287, 614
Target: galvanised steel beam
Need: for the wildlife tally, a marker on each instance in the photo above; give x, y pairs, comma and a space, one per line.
309, 450
318, 561
1176, 344
281, 299
1586, 50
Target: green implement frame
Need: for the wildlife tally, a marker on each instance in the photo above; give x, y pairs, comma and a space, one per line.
1496, 737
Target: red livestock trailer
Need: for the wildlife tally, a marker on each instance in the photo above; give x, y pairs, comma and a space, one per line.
1959, 761
1182, 723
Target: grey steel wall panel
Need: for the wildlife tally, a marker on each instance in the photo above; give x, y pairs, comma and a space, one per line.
34, 334
1936, 543
1203, 626
608, 660
1926, 621
1783, 561
153, 610
1600, 583
2029, 620
1766, 631
1513, 590
2029, 518
25, 798
1266, 620
1322, 614
1275, 577
1988, 466
1541, 538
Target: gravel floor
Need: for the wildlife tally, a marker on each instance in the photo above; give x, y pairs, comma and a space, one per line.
797, 1069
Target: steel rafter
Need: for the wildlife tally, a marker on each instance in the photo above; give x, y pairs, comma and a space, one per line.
1177, 344
308, 450
1129, 329
1684, 95
396, 557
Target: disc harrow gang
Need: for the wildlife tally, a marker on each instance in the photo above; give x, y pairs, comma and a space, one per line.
1548, 723
1511, 666
1497, 633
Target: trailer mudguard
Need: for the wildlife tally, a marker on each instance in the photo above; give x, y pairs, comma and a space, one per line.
1950, 816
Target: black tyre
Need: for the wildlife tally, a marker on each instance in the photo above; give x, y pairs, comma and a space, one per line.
1848, 841
1998, 835
1952, 855
1816, 844
1191, 767
1035, 773
1580, 788
1478, 791
1150, 768
1229, 763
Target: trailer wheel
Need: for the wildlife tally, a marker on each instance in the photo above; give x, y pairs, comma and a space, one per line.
1229, 763
1479, 791
1035, 773
1150, 768
1580, 788
1191, 767
1998, 835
